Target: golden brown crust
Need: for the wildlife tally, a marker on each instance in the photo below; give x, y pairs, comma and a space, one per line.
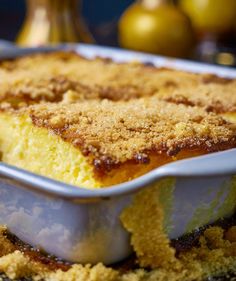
116, 132
49, 77
58, 73
213, 97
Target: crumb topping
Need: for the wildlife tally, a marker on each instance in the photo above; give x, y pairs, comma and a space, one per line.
218, 98
115, 132
56, 74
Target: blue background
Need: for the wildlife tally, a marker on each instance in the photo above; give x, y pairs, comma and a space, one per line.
100, 15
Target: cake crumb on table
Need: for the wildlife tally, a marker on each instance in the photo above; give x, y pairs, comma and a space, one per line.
214, 255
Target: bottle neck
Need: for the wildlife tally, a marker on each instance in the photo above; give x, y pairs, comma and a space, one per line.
152, 4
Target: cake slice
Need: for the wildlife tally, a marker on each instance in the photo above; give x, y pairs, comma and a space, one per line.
98, 143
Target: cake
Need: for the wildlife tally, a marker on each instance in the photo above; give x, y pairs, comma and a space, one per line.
95, 123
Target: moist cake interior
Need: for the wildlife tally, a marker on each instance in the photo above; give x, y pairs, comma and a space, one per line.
95, 123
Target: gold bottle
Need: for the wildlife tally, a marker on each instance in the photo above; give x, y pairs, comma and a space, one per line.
156, 26
51, 22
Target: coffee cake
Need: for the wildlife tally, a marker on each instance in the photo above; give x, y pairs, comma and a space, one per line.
95, 123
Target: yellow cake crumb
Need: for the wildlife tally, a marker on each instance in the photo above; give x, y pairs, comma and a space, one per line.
15, 265
144, 220
84, 273
210, 258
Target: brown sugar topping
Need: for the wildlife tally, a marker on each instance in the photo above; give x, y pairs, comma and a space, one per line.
60, 74
213, 97
115, 132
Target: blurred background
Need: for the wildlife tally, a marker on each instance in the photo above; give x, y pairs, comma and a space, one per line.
101, 17
203, 30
